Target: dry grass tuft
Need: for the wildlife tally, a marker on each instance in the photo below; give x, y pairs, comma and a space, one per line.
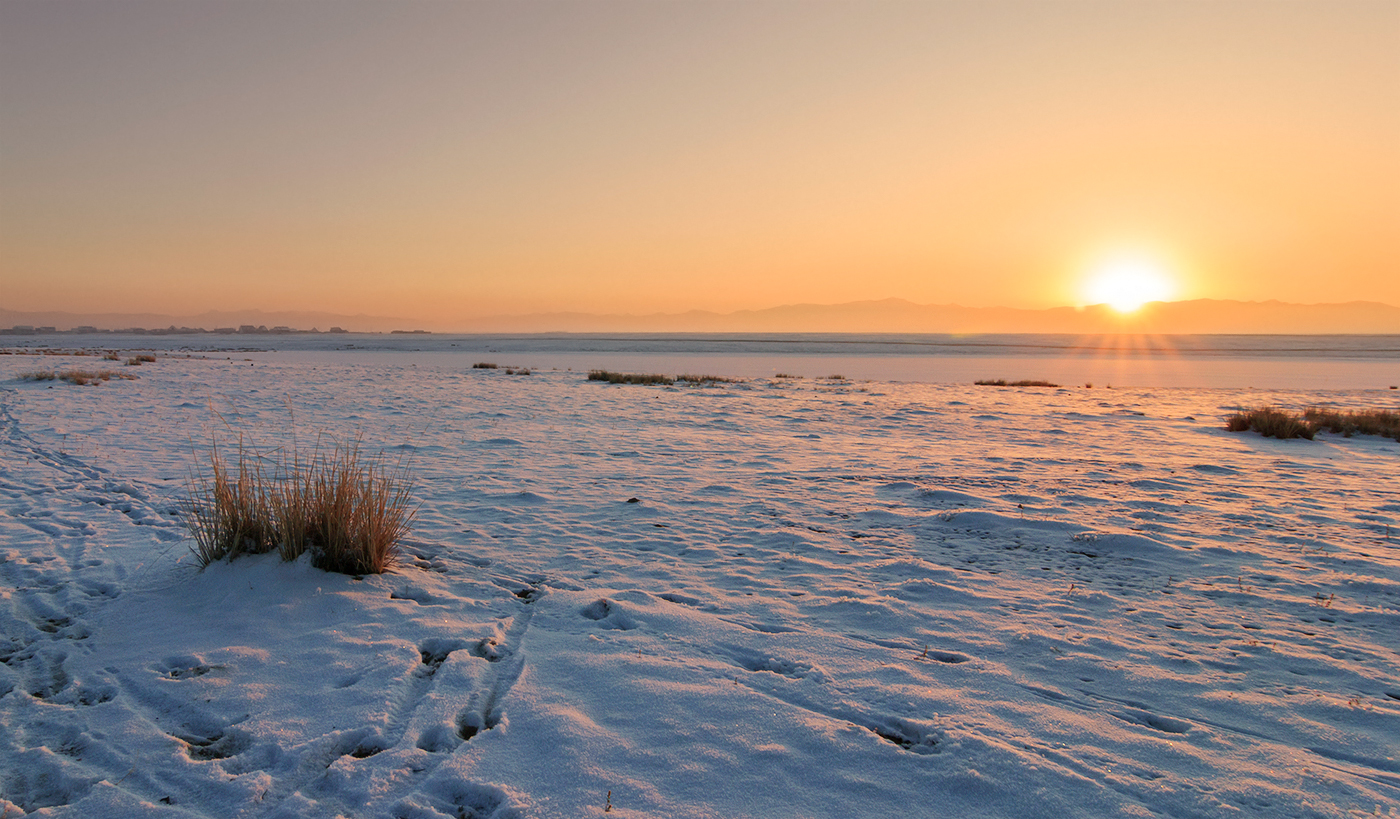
138, 360
79, 377
1366, 422
708, 379
484, 365
1002, 382
228, 513
1271, 422
348, 511
628, 378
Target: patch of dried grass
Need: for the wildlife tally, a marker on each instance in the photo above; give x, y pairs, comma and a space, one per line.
348, 511
79, 377
1002, 382
611, 377
1276, 423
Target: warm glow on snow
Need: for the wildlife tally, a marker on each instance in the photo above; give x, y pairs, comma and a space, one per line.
1126, 283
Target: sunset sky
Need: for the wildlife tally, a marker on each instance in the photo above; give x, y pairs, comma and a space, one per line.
443, 159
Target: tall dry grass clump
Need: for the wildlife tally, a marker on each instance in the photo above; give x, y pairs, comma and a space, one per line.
79, 377
1366, 422
227, 508
629, 378
348, 511
707, 379
1002, 382
1271, 423
1268, 421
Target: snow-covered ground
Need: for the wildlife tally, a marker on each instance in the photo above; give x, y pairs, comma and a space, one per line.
829, 599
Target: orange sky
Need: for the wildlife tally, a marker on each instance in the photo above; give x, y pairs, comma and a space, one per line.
445, 159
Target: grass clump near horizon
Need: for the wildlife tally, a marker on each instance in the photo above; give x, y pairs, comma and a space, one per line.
491, 365
708, 379
79, 377
610, 377
1002, 382
348, 511
1275, 423
138, 360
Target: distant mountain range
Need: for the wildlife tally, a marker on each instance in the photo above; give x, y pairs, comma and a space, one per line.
885, 315
900, 316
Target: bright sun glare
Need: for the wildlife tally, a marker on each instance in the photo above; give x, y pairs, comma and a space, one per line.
1127, 283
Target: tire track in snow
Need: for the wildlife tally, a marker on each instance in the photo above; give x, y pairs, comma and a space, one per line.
55, 581
484, 710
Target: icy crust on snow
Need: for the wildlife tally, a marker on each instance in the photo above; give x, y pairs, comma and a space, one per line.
827, 599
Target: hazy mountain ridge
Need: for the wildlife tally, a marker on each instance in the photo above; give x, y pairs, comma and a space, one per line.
873, 316
901, 316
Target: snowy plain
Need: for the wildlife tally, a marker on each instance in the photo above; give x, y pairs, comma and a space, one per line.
775, 598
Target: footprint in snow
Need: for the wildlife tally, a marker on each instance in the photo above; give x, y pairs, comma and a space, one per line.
1166, 725
910, 735
49, 680
204, 747
756, 661
680, 599
420, 596
490, 650
608, 614
950, 657
434, 652
183, 667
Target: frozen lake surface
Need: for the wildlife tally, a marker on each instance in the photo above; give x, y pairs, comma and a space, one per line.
1274, 362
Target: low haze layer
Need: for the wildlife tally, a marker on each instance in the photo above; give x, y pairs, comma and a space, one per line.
884, 316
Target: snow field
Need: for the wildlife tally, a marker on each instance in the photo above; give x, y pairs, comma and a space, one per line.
828, 599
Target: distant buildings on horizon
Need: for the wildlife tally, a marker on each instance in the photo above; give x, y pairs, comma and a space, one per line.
245, 329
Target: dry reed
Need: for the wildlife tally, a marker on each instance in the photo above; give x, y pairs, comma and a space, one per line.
1271, 422
1002, 382
628, 378
348, 511
708, 379
79, 377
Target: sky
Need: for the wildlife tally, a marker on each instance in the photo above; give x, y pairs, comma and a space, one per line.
454, 159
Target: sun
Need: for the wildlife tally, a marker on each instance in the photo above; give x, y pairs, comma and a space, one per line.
1126, 283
